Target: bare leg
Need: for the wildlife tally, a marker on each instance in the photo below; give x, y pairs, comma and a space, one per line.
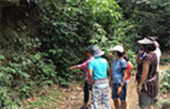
85, 104
145, 108
151, 107
116, 103
124, 105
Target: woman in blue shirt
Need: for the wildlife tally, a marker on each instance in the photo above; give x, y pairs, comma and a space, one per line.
119, 76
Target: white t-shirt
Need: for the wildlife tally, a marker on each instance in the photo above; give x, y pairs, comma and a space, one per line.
158, 54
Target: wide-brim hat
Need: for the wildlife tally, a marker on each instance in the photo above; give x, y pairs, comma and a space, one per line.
97, 51
118, 48
154, 39
145, 41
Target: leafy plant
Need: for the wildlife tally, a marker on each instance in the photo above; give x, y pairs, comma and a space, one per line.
165, 85
165, 61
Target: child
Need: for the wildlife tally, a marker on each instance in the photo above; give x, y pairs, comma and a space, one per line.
84, 66
98, 68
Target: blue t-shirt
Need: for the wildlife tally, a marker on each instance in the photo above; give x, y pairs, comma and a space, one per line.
99, 66
117, 72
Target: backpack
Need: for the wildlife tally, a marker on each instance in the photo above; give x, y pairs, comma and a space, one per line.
128, 70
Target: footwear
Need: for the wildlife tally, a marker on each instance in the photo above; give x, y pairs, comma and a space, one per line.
155, 100
84, 107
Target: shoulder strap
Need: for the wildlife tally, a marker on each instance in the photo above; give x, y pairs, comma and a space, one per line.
121, 63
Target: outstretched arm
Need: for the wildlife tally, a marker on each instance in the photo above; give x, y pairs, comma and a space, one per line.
73, 67
80, 66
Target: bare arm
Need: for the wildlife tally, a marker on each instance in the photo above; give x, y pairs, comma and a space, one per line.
111, 57
111, 78
124, 77
138, 56
123, 82
144, 74
90, 76
80, 66
73, 67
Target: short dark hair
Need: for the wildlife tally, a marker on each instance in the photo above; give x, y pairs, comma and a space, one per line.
149, 47
119, 54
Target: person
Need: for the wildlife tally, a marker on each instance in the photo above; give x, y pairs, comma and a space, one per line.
84, 66
158, 54
98, 69
147, 78
157, 51
129, 64
118, 78
129, 68
140, 54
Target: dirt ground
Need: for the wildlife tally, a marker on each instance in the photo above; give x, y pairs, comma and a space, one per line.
73, 97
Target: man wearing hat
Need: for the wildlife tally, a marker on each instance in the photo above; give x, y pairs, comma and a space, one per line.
98, 68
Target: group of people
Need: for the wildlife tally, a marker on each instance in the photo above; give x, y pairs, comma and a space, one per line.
98, 78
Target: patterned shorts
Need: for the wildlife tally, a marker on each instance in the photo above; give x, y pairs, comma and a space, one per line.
100, 95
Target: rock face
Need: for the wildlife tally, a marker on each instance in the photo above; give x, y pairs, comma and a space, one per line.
166, 105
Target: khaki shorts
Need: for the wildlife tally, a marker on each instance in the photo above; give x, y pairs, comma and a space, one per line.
145, 101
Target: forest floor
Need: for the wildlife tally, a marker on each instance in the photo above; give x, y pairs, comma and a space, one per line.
72, 97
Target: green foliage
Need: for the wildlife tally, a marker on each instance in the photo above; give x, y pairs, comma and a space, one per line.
78, 24
24, 69
19, 77
165, 61
149, 16
165, 81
